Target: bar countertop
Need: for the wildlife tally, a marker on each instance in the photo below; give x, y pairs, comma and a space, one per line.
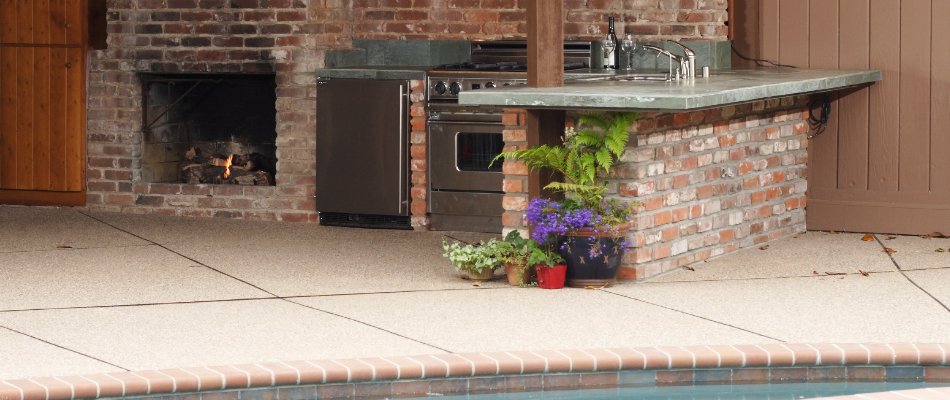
609, 90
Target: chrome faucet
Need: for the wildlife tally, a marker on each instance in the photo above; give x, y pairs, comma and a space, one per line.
673, 57
687, 65
687, 62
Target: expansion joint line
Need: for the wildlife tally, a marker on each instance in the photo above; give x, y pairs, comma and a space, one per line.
63, 347
696, 316
904, 273
182, 255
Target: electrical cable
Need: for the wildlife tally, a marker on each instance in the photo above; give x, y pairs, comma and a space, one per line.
818, 123
760, 62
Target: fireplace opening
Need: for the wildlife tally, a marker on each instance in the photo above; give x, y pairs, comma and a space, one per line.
209, 128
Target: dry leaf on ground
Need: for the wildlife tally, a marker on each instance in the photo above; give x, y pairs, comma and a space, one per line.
889, 250
890, 238
64, 247
868, 237
689, 268
766, 247
935, 235
814, 272
865, 273
940, 250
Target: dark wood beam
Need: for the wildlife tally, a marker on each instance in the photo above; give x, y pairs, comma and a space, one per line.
545, 69
545, 43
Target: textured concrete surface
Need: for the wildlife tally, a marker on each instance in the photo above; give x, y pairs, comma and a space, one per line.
110, 276
935, 281
40, 229
914, 252
802, 255
512, 319
96, 292
219, 333
23, 356
851, 308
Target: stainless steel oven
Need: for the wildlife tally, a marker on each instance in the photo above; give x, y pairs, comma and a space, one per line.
466, 187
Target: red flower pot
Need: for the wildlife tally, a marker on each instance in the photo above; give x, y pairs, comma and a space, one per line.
551, 277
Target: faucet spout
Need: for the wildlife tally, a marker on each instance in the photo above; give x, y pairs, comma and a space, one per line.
673, 57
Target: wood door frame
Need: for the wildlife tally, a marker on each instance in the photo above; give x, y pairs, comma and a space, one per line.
64, 198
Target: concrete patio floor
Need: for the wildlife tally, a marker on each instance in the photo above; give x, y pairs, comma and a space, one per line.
86, 292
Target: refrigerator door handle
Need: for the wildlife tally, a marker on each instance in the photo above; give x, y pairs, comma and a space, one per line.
402, 148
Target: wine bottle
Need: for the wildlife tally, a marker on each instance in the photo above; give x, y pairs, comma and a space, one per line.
612, 37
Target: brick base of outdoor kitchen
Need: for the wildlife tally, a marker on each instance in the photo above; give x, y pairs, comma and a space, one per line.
708, 182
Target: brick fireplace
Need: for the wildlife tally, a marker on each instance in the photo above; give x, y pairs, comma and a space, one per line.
289, 40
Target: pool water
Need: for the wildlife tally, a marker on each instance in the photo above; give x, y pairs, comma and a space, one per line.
784, 391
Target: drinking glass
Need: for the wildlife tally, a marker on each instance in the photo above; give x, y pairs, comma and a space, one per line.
627, 47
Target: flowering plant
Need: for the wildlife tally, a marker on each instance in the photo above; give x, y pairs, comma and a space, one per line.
550, 219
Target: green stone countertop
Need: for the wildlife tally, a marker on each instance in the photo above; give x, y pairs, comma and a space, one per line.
601, 91
373, 72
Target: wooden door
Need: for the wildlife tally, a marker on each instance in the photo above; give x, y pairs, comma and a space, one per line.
42, 101
883, 164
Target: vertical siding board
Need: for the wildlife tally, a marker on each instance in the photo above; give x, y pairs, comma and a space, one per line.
8, 21
24, 15
41, 120
58, 119
885, 96
7, 117
823, 53
745, 32
769, 29
914, 175
41, 21
24, 125
74, 119
74, 25
940, 100
793, 32
853, 107
57, 18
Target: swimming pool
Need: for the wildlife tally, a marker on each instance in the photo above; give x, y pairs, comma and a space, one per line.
782, 391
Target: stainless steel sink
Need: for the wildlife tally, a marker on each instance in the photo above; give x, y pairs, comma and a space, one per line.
626, 78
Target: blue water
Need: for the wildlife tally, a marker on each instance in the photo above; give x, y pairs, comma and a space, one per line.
784, 391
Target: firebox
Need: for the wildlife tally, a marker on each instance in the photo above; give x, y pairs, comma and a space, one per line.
209, 128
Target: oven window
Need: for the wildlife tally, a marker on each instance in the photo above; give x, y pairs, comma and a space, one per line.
474, 151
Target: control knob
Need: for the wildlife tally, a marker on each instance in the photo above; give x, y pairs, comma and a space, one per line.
455, 88
440, 87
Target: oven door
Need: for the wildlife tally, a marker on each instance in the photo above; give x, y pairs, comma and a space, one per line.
461, 154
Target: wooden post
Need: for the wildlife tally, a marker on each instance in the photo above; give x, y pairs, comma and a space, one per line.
545, 69
545, 43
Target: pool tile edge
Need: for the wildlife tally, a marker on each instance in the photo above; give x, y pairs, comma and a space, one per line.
494, 371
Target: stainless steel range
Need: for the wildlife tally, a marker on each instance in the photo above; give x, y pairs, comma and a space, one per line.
465, 188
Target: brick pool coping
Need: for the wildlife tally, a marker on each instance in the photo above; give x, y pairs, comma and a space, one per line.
508, 371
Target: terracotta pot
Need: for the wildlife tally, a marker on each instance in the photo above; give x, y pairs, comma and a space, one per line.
583, 269
517, 275
485, 275
551, 277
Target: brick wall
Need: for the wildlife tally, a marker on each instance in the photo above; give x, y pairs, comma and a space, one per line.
708, 182
494, 19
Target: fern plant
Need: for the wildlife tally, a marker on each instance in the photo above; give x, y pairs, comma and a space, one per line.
583, 157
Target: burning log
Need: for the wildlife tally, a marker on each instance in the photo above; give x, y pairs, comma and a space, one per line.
239, 169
